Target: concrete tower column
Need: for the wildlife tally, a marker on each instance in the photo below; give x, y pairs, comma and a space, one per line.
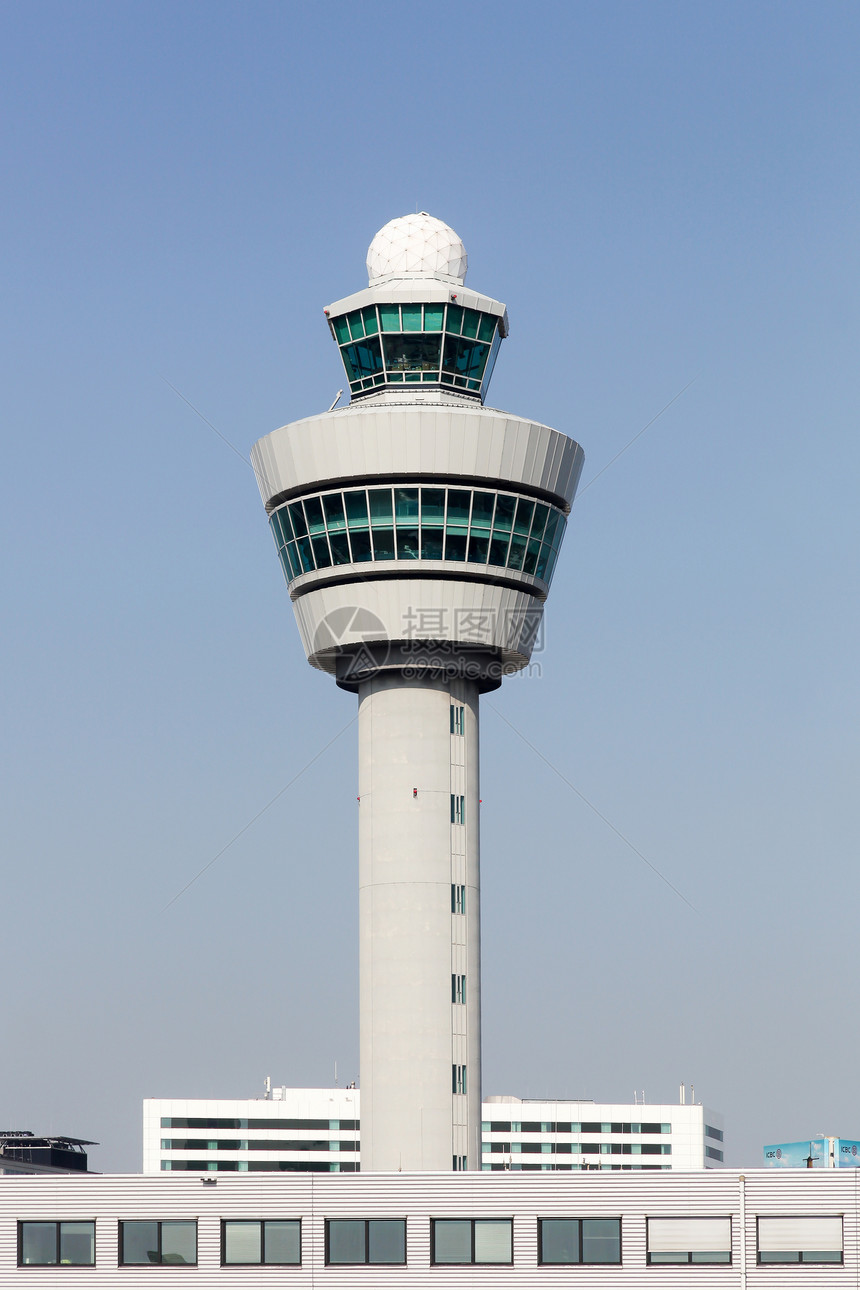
419, 911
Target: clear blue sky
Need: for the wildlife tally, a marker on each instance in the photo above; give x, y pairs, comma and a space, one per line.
660, 192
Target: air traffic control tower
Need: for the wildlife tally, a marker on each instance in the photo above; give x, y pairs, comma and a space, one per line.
418, 531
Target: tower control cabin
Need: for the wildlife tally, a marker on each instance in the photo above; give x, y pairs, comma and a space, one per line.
418, 532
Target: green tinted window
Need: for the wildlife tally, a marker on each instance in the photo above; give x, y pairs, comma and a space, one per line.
487, 327
433, 316
432, 505
406, 505
411, 315
341, 329
471, 318
539, 521
482, 510
380, 506
455, 319
523, 521
297, 516
383, 544
334, 516
505, 507
371, 326
356, 327
389, 316
458, 507
356, 508
464, 357
313, 512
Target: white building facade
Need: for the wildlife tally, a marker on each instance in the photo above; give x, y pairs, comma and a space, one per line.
762, 1228
318, 1130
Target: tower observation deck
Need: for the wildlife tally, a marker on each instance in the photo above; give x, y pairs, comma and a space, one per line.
418, 533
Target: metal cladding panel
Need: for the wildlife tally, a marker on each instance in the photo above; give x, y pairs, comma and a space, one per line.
360, 443
420, 1197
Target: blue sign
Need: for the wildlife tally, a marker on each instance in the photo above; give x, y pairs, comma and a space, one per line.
795, 1155
846, 1153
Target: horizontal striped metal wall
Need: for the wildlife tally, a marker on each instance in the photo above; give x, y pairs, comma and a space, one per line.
418, 1197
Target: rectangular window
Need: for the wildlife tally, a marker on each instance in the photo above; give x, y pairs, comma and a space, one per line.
365, 1240
579, 1240
471, 1240
800, 1240
252, 1241
458, 1079
49, 1244
714, 1153
148, 1242
457, 719
458, 988
458, 898
458, 1163
689, 1240
711, 1132
458, 808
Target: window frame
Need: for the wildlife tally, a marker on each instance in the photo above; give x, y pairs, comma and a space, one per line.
366, 1262
57, 1224
504, 1263
580, 1262
689, 1261
161, 1264
261, 1262
800, 1261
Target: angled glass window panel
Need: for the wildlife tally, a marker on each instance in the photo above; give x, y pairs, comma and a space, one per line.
406, 505
321, 551
433, 317
517, 552
539, 520
386, 1240
334, 514
455, 546
487, 327
482, 510
139, 1242
471, 321
407, 544
504, 517
412, 377
395, 376
405, 353
78, 1244
368, 357
292, 556
559, 1240
381, 512
339, 544
38, 1244
601, 1240
383, 544
359, 540
356, 326
371, 323
491, 363
458, 507
431, 544
350, 365
303, 546
532, 553
411, 317
346, 1240
523, 519
478, 549
493, 1240
297, 517
179, 1242
543, 560
389, 317
282, 1241
549, 536
356, 509
464, 358
243, 1241
314, 515
454, 321
341, 329
432, 506
499, 549
452, 1240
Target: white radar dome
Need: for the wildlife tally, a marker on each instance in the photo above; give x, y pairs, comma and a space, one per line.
416, 246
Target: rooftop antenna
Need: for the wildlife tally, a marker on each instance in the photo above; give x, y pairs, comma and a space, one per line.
336, 400
682, 1091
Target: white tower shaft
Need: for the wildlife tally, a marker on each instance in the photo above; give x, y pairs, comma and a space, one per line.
419, 912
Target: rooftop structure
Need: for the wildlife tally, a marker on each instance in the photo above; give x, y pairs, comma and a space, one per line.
418, 532
24, 1152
